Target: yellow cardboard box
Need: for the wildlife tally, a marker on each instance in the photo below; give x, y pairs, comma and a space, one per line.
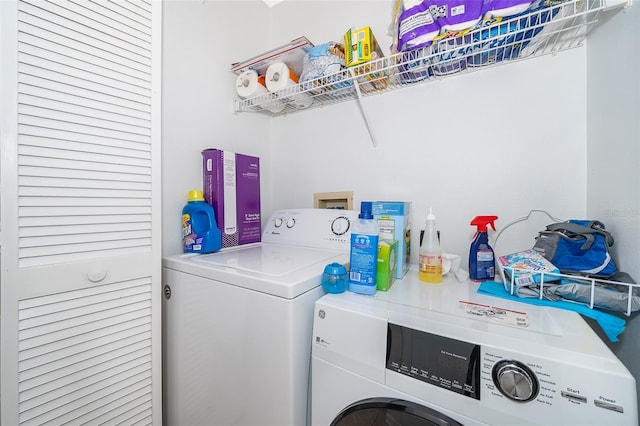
360, 46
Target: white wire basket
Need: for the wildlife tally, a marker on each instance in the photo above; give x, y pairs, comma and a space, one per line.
544, 31
596, 293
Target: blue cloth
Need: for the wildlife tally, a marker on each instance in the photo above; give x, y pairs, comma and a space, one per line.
610, 324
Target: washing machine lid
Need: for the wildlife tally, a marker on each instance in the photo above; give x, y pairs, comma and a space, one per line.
391, 411
277, 269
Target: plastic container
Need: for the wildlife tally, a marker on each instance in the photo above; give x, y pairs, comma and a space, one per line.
481, 256
462, 14
200, 233
505, 8
363, 255
334, 278
430, 269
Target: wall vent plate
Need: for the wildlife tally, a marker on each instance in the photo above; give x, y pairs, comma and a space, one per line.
333, 200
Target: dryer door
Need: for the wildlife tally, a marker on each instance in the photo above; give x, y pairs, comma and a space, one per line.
391, 411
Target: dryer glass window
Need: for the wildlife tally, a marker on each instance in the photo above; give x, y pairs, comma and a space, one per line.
391, 411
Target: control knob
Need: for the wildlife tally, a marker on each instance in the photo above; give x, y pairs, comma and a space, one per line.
340, 225
515, 380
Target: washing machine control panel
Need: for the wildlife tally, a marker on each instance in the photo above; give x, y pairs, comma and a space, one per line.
341, 225
319, 228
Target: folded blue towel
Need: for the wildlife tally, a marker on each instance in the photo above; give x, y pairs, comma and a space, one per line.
610, 324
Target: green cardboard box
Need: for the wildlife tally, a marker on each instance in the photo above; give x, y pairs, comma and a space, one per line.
387, 265
394, 220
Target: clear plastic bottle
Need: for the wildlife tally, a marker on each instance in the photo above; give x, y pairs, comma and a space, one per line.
430, 253
363, 257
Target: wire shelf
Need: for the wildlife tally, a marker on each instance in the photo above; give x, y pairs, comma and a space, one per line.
498, 42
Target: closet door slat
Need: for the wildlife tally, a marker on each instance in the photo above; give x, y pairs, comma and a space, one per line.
84, 142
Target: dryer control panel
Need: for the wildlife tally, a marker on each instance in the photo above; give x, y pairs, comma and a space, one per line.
441, 361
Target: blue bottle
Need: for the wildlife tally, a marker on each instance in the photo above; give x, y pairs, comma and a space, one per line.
363, 256
334, 278
481, 257
200, 233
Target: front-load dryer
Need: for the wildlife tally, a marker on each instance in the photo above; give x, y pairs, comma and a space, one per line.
441, 354
237, 323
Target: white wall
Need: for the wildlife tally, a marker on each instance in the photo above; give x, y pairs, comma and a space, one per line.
492, 142
613, 178
201, 41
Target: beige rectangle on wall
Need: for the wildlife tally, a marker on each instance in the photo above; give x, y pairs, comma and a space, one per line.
333, 200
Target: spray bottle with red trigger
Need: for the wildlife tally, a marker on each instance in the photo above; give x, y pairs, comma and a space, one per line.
481, 258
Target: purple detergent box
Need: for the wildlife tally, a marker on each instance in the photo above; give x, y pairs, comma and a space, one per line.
231, 184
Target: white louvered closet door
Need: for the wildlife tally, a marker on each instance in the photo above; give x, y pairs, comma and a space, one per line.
80, 224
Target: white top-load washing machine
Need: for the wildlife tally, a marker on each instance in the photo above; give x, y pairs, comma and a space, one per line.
237, 323
440, 354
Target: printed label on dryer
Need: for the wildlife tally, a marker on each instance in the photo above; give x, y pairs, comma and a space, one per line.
493, 313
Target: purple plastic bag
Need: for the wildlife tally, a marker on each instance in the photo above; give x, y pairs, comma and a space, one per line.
458, 15
416, 27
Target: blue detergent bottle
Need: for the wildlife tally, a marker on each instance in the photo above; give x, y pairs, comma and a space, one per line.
363, 256
200, 233
481, 257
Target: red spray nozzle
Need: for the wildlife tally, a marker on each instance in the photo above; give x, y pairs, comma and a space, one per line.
482, 221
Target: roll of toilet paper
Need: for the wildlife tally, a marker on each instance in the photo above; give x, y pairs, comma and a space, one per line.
280, 77
249, 85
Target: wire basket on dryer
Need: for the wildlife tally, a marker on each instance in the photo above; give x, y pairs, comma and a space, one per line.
527, 273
